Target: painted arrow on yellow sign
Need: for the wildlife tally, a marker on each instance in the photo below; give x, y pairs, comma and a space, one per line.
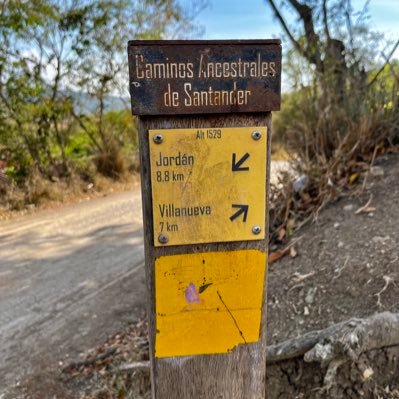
201, 178
236, 166
242, 210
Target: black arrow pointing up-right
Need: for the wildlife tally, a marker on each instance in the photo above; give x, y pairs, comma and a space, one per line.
242, 210
236, 165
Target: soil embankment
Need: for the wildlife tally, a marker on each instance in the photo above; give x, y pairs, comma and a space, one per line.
347, 267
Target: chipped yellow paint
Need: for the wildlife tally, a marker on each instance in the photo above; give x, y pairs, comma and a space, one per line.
208, 302
208, 185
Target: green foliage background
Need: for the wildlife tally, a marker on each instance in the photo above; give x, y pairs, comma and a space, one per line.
56, 58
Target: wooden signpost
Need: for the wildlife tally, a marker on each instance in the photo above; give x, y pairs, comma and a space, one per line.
204, 111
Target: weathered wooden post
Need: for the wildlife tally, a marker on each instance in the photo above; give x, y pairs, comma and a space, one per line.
204, 111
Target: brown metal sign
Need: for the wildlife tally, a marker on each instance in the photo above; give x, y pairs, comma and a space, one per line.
200, 77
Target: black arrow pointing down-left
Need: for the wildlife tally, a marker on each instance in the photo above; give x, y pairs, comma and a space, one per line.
242, 210
236, 166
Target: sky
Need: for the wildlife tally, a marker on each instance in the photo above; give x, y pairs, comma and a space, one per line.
253, 19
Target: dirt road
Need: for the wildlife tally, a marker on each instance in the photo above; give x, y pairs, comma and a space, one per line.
68, 278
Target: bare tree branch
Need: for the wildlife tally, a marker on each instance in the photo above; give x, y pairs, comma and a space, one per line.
325, 20
299, 7
385, 63
286, 29
79, 119
349, 21
312, 51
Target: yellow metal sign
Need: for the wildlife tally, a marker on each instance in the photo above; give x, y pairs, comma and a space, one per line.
208, 302
208, 185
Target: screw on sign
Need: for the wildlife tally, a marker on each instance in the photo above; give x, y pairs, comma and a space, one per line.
204, 110
158, 138
256, 135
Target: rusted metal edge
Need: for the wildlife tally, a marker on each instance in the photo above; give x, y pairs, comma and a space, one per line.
198, 90
202, 42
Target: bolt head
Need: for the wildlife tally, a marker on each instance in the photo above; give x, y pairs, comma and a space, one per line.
158, 138
256, 135
256, 230
163, 238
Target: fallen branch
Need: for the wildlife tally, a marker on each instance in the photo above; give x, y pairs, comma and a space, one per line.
366, 208
90, 361
135, 366
339, 271
388, 280
275, 256
368, 171
347, 339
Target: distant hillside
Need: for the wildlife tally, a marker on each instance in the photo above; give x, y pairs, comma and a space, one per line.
85, 103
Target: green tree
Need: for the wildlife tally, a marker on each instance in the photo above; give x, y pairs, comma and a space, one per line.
101, 68
54, 52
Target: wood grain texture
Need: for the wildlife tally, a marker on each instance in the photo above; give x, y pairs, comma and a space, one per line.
347, 339
240, 374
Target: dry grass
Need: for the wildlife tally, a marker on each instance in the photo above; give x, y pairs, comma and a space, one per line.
113, 376
44, 194
111, 162
334, 144
279, 152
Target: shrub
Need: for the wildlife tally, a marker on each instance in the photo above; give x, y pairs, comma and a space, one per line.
331, 141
